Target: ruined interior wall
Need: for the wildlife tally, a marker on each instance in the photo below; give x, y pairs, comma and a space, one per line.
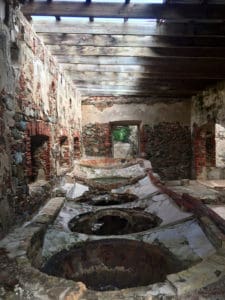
46, 95
35, 99
208, 133
7, 121
164, 130
168, 146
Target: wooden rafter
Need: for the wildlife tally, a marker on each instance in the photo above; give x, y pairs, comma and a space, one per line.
149, 28
123, 90
172, 59
122, 10
132, 40
139, 51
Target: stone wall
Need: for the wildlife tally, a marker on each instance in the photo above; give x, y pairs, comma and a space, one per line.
38, 105
97, 139
164, 130
208, 133
46, 96
8, 140
168, 147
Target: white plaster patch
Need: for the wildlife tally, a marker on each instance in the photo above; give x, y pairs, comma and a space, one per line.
74, 190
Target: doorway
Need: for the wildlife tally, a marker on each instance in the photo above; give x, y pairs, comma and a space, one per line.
125, 140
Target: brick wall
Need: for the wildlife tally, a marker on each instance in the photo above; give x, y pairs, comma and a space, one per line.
168, 147
204, 147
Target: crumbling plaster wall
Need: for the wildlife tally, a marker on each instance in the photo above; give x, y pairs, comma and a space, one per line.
164, 130
36, 98
208, 110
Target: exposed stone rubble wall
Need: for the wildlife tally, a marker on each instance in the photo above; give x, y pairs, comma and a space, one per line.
163, 126
97, 139
168, 146
208, 133
8, 166
38, 104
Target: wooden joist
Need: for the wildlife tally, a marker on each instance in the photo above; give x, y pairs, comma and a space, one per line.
135, 76
86, 100
121, 10
171, 67
199, 62
85, 27
172, 59
191, 86
138, 51
193, 28
126, 91
107, 40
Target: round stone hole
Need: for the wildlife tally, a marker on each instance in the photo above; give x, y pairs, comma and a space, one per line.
106, 199
113, 264
113, 222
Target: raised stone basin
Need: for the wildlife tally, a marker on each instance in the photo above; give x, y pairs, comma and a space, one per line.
113, 264
106, 174
113, 222
106, 198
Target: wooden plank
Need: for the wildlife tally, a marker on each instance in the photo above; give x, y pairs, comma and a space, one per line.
119, 10
119, 91
170, 67
146, 61
138, 51
87, 100
131, 40
158, 89
145, 84
114, 92
112, 76
146, 28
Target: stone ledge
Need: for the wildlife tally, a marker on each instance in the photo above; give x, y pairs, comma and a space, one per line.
204, 273
50, 211
191, 204
213, 233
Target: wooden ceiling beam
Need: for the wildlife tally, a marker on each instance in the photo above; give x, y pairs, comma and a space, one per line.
152, 85
195, 28
114, 92
138, 51
89, 100
132, 40
131, 76
210, 63
170, 67
124, 91
121, 10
